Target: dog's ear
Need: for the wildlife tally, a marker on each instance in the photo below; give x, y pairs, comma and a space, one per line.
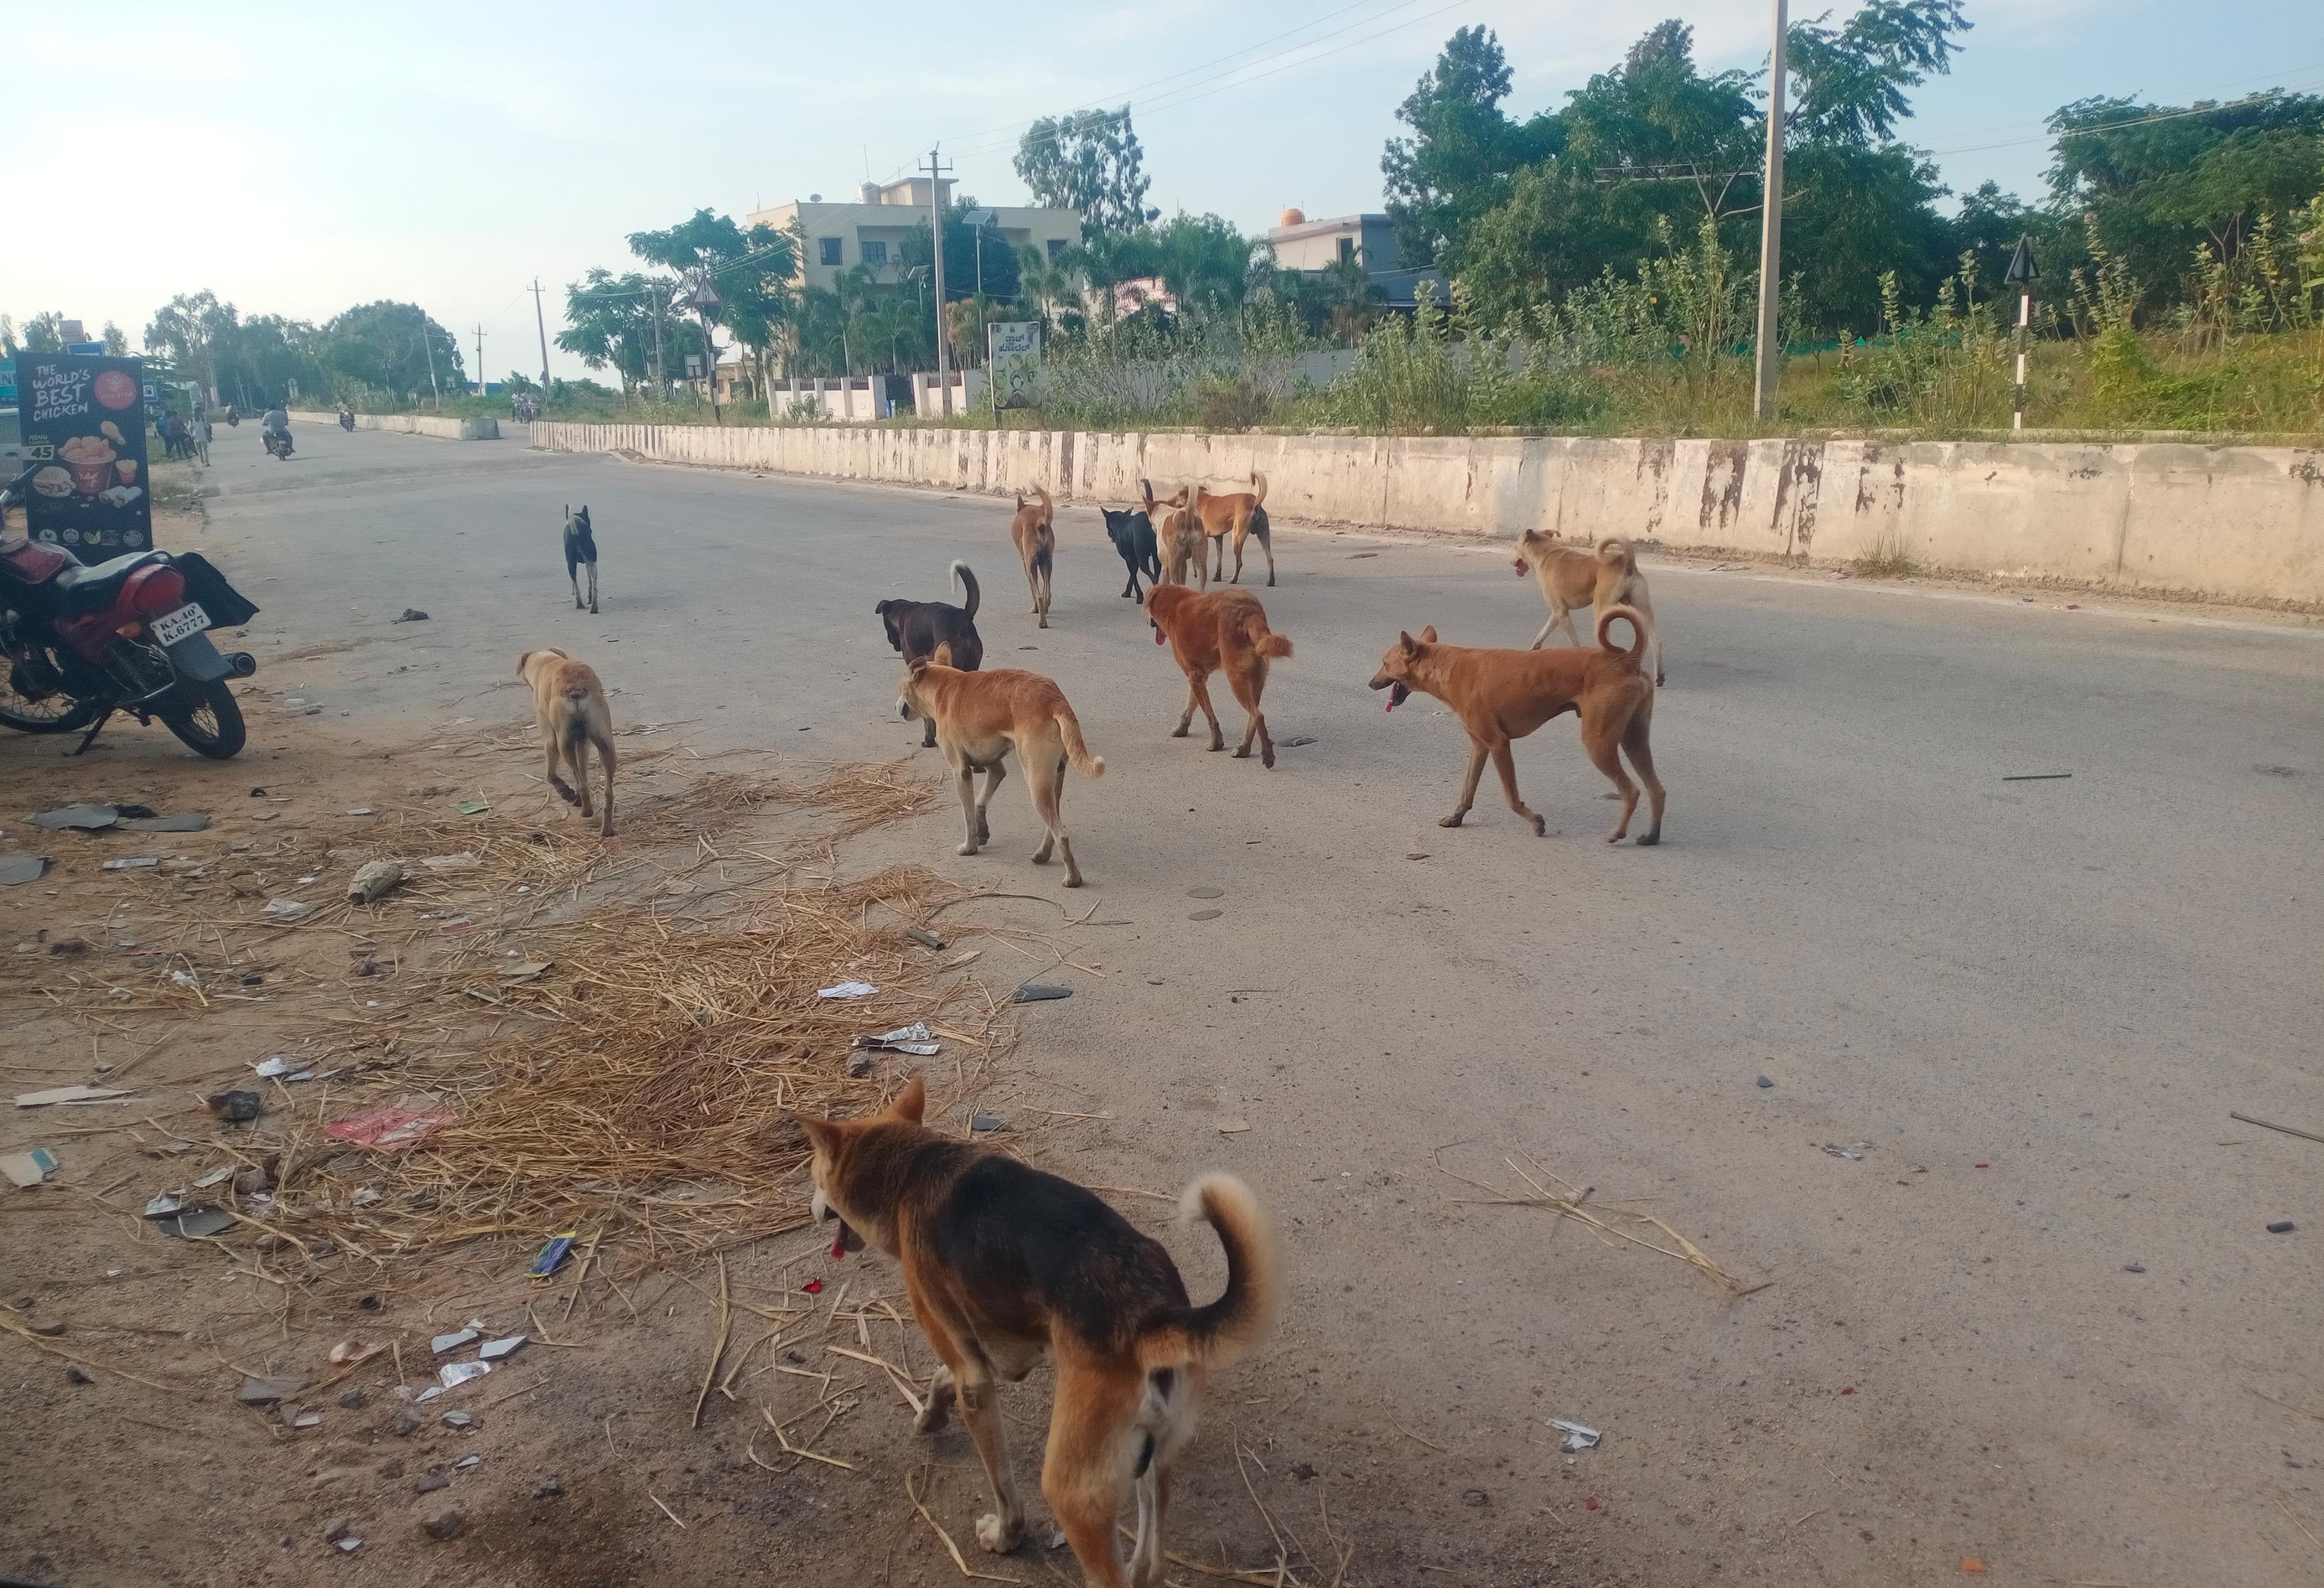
1428, 635
1404, 643
911, 1104
824, 1135
917, 666
520, 661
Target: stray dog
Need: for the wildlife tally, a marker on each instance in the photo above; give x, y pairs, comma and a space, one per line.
1242, 515
1178, 540
1003, 1263
980, 717
568, 706
1035, 531
1226, 630
916, 628
1132, 534
1500, 696
580, 552
1571, 577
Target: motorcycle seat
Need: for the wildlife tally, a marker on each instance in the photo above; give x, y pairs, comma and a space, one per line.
84, 588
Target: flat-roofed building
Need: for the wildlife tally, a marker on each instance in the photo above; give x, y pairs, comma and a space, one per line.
871, 229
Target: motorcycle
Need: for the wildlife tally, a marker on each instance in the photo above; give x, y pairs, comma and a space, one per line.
130, 635
346, 419
232, 417
278, 443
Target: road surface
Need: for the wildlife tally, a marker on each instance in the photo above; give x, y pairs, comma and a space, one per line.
2022, 1306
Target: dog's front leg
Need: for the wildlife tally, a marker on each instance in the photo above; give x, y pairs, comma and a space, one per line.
941, 1392
969, 815
1506, 765
573, 572
1478, 751
980, 1398
992, 776
1548, 629
593, 589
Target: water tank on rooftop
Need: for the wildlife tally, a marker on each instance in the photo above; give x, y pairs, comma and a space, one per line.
1293, 217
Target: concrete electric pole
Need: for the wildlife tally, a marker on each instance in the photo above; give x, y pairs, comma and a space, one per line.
542, 321
1771, 231
479, 358
937, 169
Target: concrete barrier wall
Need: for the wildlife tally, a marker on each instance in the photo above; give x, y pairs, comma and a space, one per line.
413, 424
2243, 523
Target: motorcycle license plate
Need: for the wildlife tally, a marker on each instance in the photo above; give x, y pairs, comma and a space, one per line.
181, 625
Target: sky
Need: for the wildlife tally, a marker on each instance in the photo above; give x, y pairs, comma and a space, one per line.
297, 159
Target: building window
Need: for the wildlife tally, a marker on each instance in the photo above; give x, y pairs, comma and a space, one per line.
827, 250
875, 252
1058, 245
1346, 249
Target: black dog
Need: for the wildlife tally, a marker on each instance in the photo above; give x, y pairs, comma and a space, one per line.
1132, 534
916, 628
580, 550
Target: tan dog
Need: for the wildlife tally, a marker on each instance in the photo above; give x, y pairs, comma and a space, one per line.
1177, 537
1003, 1264
980, 717
568, 707
1571, 577
1223, 631
1500, 696
1242, 515
1035, 531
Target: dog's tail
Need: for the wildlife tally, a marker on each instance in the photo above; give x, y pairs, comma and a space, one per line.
960, 571
1048, 512
1232, 1327
1146, 493
1615, 552
1069, 728
1264, 640
1637, 633
1258, 487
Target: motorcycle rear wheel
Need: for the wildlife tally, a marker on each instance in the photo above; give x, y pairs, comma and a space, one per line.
59, 713
209, 722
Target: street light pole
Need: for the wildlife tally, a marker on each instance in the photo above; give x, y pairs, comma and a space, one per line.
1771, 231
935, 236
540, 321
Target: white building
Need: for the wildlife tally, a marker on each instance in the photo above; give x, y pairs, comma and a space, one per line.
872, 230
1304, 245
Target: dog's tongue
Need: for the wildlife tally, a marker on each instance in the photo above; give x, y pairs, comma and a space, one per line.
1397, 695
1157, 633
839, 1243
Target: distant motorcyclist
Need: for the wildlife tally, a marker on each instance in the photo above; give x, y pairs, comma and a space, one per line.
346, 417
274, 430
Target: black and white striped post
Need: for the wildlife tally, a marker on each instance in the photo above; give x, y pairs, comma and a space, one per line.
2021, 271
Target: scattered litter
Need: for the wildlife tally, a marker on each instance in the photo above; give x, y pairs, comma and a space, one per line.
130, 863
68, 1094
1039, 992
29, 1168
85, 818
553, 1256
282, 1069
366, 1195
985, 1124
454, 1374
1850, 1389
494, 1350
258, 1391
217, 1176
1233, 1125
2281, 1227
452, 1341
460, 1419
412, 615
333, 1531
1295, 742
2036, 777
354, 1349
847, 989
924, 937
363, 810
528, 971
1577, 1437
307, 1419
236, 1108
1854, 1152
350, 1544
1206, 893
473, 806
466, 1462
22, 868
2270, 1125
813, 1287
374, 878
1206, 915
913, 1038
859, 1065
462, 861
390, 1127
164, 1204
455, 926
288, 912
1972, 1565
1764, 1081
191, 821
196, 1223
1591, 1503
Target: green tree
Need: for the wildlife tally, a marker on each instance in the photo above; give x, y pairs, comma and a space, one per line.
1088, 162
116, 340
609, 323
1464, 150
387, 347
963, 245
196, 332
45, 333
749, 271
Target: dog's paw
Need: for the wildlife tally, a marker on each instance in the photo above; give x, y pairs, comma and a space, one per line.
999, 1534
1267, 757
932, 1416
1178, 733
1242, 751
1648, 840
1451, 821
1540, 826
967, 848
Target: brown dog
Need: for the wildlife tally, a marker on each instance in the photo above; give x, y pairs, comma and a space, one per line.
568, 707
1035, 531
1500, 696
1242, 515
1177, 537
1571, 577
980, 717
1003, 1263
1225, 630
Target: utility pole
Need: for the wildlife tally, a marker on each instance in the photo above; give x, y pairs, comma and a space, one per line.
937, 169
479, 358
542, 321
2021, 271
427, 345
661, 372
1771, 230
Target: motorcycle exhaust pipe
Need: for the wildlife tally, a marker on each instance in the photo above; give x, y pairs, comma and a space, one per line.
240, 664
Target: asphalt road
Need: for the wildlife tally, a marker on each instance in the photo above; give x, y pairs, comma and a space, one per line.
2023, 1308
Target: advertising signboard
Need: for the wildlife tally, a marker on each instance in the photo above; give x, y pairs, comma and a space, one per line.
1015, 362
84, 429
